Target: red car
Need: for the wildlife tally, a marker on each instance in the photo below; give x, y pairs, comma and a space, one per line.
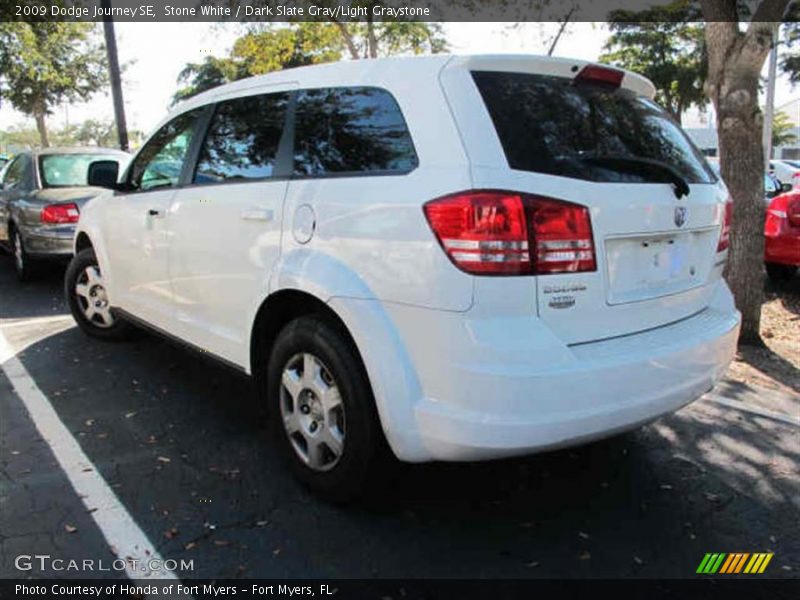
782, 232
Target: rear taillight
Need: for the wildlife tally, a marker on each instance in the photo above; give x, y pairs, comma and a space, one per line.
793, 213
60, 213
725, 232
507, 233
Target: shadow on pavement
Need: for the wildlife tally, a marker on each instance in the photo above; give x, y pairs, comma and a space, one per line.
183, 444
789, 292
42, 297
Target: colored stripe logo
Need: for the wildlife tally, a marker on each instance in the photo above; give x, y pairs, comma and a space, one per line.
734, 563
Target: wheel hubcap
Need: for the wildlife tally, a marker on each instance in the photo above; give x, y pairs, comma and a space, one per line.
92, 299
312, 412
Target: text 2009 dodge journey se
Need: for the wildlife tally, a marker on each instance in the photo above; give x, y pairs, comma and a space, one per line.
454, 258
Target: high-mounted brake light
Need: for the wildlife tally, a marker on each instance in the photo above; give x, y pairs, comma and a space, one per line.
58, 214
600, 75
507, 233
725, 231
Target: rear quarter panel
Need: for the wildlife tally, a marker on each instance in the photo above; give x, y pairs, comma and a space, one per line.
373, 226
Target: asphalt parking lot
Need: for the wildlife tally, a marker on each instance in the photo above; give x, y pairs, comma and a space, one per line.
182, 444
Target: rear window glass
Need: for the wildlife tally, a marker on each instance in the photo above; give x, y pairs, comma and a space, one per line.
350, 130
68, 170
551, 125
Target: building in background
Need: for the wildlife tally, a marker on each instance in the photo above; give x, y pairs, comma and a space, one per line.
705, 137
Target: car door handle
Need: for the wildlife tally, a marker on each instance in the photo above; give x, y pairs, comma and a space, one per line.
155, 212
257, 215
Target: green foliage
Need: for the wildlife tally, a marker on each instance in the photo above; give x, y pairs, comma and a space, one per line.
395, 37
665, 44
782, 130
277, 48
19, 138
274, 47
263, 50
199, 77
790, 61
92, 132
44, 64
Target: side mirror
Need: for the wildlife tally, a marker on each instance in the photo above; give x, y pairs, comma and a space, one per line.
786, 187
103, 173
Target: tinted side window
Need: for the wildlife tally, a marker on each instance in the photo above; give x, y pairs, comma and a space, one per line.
551, 125
15, 174
350, 130
160, 162
243, 140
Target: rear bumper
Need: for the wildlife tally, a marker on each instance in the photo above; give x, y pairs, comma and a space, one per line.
613, 386
451, 386
49, 242
782, 249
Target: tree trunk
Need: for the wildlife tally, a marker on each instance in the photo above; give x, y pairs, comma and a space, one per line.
561, 30
735, 61
41, 127
347, 38
677, 114
739, 127
372, 41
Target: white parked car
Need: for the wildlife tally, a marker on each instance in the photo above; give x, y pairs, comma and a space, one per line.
786, 172
454, 258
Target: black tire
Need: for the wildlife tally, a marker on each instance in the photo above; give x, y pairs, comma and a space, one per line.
778, 272
364, 453
24, 266
95, 327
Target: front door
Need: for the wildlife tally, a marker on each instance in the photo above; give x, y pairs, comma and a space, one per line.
138, 223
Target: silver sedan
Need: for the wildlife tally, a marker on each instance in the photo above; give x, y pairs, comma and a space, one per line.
41, 195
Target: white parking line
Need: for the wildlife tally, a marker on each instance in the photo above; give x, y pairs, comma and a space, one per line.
35, 321
121, 532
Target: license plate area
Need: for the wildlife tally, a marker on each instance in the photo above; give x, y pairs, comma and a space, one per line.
653, 265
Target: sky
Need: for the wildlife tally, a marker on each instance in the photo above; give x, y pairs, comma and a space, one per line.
157, 52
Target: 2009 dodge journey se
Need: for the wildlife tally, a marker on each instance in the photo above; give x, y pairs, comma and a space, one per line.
449, 258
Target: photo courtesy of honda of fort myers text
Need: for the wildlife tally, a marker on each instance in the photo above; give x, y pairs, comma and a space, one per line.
362, 299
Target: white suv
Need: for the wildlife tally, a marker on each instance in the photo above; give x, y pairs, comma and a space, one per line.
454, 258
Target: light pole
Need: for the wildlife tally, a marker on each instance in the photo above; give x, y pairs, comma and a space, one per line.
769, 111
116, 80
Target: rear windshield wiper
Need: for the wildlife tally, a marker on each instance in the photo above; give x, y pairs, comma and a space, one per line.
630, 163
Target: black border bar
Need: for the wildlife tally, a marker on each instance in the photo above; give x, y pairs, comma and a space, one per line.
154, 11
728, 588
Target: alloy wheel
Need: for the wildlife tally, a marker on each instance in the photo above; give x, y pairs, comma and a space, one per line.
90, 292
312, 411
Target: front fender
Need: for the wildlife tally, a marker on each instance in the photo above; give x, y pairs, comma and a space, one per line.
94, 233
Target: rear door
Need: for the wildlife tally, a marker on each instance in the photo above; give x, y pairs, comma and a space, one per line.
598, 141
227, 223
